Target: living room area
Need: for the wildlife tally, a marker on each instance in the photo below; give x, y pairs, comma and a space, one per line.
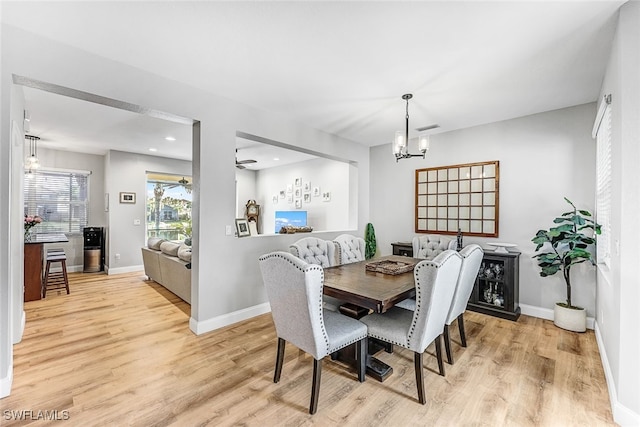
545, 154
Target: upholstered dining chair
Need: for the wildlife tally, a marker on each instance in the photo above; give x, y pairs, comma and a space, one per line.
351, 248
471, 259
316, 251
321, 252
430, 245
415, 330
294, 289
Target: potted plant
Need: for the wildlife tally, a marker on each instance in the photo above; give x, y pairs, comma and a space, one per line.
568, 246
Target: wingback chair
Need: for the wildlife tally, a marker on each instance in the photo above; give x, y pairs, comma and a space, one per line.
351, 248
471, 259
430, 245
316, 251
294, 289
415, 330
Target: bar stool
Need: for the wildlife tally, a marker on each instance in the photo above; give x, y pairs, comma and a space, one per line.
55, 280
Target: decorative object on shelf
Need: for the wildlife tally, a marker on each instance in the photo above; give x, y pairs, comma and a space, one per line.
568, 246
370, 244
30, 222
242, 227
461, 197
401, 142
292, 229
496, 290
126, 197
31, 162
253, 213
501, 248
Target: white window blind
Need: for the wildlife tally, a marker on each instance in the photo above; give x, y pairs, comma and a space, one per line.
603, 185
61, 198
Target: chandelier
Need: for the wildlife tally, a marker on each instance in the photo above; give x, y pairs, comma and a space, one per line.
31, 162
401, 141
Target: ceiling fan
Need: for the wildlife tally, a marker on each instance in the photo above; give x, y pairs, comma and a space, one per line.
240, 164
181, 182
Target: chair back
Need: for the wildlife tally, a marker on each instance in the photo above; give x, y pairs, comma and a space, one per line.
294, 289
435, 284
471, 260
351, 248
316, 251
431, 245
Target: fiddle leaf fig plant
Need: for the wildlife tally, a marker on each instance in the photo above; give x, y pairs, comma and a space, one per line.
566, 245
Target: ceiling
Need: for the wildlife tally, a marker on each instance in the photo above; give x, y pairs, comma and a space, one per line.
341, 67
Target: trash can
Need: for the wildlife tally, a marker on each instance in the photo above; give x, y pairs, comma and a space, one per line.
93, 249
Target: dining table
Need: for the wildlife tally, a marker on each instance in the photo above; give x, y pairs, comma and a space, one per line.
33, 261
371, 285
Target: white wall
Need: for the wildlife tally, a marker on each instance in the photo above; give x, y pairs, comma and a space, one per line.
97, 216
328, 175
618, 288
543, 158
128, 173
226, 281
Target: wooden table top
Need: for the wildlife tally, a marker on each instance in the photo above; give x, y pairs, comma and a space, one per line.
47, 238
377, 291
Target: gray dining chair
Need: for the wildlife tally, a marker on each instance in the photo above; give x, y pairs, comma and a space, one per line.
471, 259
352, 248
321, 252
431, 245
415, 330
294, 289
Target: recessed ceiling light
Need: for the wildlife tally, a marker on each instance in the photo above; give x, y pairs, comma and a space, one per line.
153, 149
276, 158
170, 138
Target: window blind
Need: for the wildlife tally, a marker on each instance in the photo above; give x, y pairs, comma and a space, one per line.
603, 184
60, 198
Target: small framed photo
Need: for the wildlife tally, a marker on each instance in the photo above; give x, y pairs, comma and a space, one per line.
298, 203
326, 196
127, 197
298, 193
283, 193
275, 199
289, 188
307, 186
290, 198
316, 191
307, 197
298, 182
242, 227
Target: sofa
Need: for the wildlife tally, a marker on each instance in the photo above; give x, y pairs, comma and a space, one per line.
169, 264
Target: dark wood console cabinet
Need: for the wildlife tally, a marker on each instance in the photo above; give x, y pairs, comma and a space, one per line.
496, 291
403, 249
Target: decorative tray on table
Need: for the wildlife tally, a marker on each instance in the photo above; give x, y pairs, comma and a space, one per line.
390, 266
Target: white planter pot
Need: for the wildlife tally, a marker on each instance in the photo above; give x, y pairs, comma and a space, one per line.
571, 319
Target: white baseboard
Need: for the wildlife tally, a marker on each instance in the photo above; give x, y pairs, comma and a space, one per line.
23, 322
121, 270
621, 414
547, 313
209, 325
6, 382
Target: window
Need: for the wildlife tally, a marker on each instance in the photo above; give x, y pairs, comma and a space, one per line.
61, 198
603, 185
168, 204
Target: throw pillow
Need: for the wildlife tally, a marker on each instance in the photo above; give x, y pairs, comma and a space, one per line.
170, 248
155, 242
184, 253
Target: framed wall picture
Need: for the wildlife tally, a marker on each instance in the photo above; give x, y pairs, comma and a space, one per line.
307, 197
464, 197
316, 191
307, 186
242, 227
298, 203
126, 197
297, 182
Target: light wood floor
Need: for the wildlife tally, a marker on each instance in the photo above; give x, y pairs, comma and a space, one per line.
118, 351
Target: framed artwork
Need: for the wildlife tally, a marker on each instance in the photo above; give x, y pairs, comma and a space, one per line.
290, 198
307, 197
275, 199
326, 196
307, 186
126, 197
298, 203
289, 188
298, 182
316, 191
464, 197
282, 194
298, 193
242, 227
